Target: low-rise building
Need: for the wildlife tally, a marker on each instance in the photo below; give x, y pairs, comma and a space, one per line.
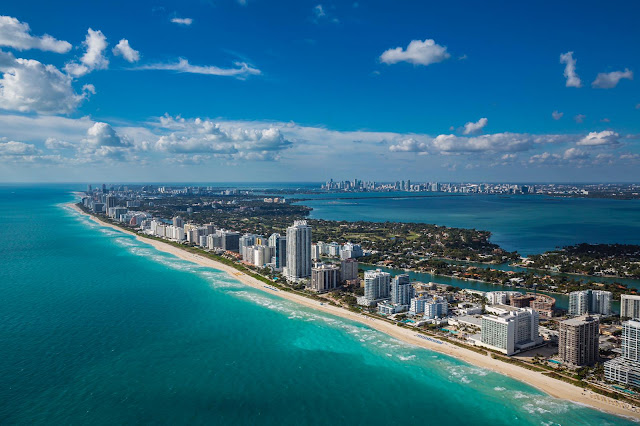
543, 304
500, 297
388, 308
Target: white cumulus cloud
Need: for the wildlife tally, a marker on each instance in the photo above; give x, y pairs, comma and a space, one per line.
56, 144
606, 137
17, 35
557, 115
491, 143
13, 148
570, 70
126, 51
472, 127
28, 85
199, 136
409, 145
609, 80
102, 134
418, 52
93, 59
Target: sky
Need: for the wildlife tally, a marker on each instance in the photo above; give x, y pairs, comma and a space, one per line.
256, 90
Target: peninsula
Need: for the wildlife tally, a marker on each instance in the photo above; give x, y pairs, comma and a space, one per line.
538, 377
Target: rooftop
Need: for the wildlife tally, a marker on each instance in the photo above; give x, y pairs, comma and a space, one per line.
577, 321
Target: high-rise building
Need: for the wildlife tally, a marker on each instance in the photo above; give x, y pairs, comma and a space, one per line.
178, 222
438, 307
589, 302
324, 277
334, 249
280, 253
214, 241
246, 240
629, 306
348, 270
298, 250
273, 239
350, 250
262, 255
315, 252
231, 241
110, 201
376, 287
512, 330
417, 305
626, 368
401, 290
579, 340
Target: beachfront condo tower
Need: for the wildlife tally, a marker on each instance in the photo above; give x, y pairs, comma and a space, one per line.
579, 341
298, 251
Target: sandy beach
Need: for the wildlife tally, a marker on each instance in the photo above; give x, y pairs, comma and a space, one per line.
553, 387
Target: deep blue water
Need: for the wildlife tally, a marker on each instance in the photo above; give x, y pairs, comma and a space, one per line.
98, 328
529, 224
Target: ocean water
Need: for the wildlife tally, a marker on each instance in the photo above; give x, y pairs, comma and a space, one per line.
529, 224
98, 328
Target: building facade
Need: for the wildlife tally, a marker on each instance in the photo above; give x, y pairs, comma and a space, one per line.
438, 307
626, 368
401, 290
298, 251
377, 286
512, 330
348, 270
324, 278
629, 306
589, 302
579, 340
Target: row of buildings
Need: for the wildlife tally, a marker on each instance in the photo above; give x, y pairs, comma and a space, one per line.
590, 302
333, 249
327, 276
357, 185
292, 254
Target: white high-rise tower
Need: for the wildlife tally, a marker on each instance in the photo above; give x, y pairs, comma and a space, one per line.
298, 250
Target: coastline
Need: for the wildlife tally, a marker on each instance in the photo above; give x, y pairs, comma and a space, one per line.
548, 385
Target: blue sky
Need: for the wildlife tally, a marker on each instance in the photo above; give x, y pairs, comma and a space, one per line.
253, 90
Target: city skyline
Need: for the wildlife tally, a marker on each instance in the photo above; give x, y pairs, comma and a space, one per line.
298, 91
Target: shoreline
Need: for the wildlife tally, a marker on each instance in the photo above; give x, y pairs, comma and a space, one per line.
548, 385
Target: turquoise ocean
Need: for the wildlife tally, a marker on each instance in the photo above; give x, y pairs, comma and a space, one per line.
99, 328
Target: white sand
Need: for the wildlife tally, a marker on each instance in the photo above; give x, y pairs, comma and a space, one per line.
553, 387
